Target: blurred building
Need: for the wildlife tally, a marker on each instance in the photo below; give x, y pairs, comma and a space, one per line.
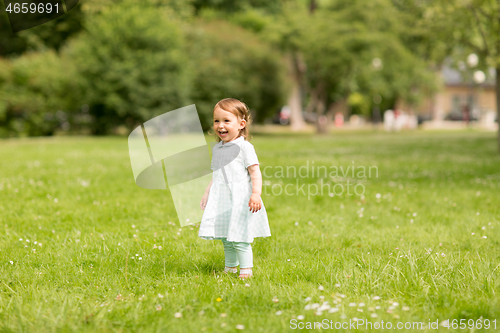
461, 99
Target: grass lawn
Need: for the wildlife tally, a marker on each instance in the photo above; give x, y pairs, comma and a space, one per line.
84, 249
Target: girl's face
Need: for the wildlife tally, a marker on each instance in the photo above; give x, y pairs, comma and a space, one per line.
227, 125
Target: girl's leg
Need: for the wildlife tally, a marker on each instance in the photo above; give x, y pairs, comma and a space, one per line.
231, 258
245, 257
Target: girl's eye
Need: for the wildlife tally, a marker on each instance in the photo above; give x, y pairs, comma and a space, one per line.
216, 121
227, 120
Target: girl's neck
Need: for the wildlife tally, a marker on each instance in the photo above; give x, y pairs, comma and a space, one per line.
223, 143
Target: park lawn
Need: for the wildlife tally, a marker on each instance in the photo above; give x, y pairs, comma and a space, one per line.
80, 250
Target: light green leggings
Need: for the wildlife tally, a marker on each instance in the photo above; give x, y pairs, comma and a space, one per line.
238, 253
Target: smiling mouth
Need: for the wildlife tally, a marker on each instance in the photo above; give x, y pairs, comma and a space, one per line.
222, 133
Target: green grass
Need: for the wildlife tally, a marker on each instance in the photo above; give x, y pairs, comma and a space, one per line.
354, 247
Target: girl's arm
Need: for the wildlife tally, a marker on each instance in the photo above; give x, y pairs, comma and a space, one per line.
204, 199
208, 187
256, 176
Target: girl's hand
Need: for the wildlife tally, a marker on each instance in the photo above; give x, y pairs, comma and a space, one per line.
203, 202
255, 203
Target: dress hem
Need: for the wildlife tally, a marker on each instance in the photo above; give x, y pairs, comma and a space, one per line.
220, 237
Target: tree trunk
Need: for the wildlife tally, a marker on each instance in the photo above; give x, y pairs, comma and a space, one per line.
497, 89
297, 122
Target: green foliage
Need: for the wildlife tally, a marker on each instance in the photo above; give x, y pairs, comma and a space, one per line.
36, 91
132, 60
339, 43
231, 62
359, 104
50, 35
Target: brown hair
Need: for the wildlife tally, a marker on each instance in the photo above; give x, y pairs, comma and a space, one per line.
239, 109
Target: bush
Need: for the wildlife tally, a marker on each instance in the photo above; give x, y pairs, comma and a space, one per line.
131, 58
36, 92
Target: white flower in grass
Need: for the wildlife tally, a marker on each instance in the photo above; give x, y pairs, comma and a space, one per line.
307, 307
247, 285
201, 313
325, 306
158, 307
11, 262
20, 239
374, 315
355, 319
140, 258
159, 247
160, 296
318, 313
314, 306
322, 297
300, 317
240, 327
352, 304
483, 228
360, 310
406, 308
223, 325
308, 299
375, 298
321, 287
377, 307
28, 240
473, 233
333, 310
133, 226
485, 236
178, 315
361, 304
275, 299
337, 285
296, 223
223, 315
378, 196
278, 313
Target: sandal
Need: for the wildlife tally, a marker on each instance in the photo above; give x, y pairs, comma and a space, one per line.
245, 273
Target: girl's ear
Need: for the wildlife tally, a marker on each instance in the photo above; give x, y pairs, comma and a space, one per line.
243, 123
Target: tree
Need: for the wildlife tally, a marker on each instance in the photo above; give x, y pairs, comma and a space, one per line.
229, 61
339, 43
131, 57
468, 26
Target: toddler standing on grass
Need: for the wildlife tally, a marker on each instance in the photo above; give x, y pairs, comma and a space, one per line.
234, 211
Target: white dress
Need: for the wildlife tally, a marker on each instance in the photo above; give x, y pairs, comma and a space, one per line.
227, 214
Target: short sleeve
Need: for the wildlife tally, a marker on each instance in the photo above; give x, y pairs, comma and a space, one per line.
249, 155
